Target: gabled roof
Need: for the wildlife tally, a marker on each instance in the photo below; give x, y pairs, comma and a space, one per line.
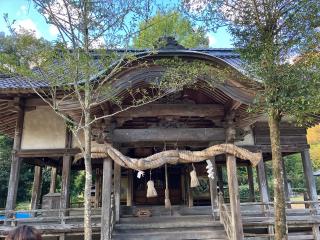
229, 56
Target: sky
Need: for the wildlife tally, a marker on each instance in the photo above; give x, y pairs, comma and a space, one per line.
26, 16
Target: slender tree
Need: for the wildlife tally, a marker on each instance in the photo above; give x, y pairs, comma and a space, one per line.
170, 24
270, 35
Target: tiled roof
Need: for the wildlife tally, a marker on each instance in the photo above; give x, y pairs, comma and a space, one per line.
20, 82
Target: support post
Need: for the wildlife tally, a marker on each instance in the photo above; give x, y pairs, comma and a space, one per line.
190, 195
251, 184
263, 184
15, 163
65, 184
53, 180
285, 181
106, 199
97, 197
36, 188
236, 219
311, 188
220, 179
117, 188
308, 175
264, 194
130, 188
213, 189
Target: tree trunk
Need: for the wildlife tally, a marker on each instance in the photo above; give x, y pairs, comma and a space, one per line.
277, 170
88, 182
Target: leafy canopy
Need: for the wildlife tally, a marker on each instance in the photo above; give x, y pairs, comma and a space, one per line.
170, 24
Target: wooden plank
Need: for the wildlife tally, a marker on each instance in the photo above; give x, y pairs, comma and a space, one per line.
117, 188
106, 199
15, 163
188, 110
220, 179
36, 187
284, 140
168, 134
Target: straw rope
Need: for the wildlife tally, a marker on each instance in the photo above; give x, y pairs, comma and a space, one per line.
172, 156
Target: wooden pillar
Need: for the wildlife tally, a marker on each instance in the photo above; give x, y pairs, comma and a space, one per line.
236, 219
130, 188
213, 189
251, 184
220, 179
65, 183
189, 192
117, 189
106, 199
285, 180
263, 184
309, 178
15, 162
36, 187
98, 187
53, 180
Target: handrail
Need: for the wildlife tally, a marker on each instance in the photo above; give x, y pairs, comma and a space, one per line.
225, 217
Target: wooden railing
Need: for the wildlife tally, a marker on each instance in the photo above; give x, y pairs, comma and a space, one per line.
225, 217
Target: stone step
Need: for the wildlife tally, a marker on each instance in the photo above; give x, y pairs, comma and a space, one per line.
165, 230
200, 218
168, 224
172, 234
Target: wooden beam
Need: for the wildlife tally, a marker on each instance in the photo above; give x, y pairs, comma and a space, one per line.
53, 180
106, 199
47, 152
36, 187
251, 184
15, 163
168, 134
117, 189
187, 110
236, 219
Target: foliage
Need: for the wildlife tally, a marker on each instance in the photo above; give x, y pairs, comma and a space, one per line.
5, 155
313, 135
170, 24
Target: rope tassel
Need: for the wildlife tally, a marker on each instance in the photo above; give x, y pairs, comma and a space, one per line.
167, 203
194, 179
151, 191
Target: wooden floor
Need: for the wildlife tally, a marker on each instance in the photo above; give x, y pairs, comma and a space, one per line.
257, 220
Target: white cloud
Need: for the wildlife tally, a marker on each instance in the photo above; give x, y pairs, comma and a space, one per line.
195, 5
212, 40
53, 30
98, 43
27, 24
22, 10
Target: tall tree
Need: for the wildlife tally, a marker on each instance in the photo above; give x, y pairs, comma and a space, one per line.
170, 24
269, 34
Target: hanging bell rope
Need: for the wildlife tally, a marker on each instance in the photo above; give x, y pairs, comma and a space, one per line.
172, 156
194, 182
151, 191
167, 203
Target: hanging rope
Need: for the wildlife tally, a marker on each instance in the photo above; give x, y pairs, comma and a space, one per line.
173, 156
194, 182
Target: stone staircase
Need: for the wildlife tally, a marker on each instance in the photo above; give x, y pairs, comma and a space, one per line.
169, 227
